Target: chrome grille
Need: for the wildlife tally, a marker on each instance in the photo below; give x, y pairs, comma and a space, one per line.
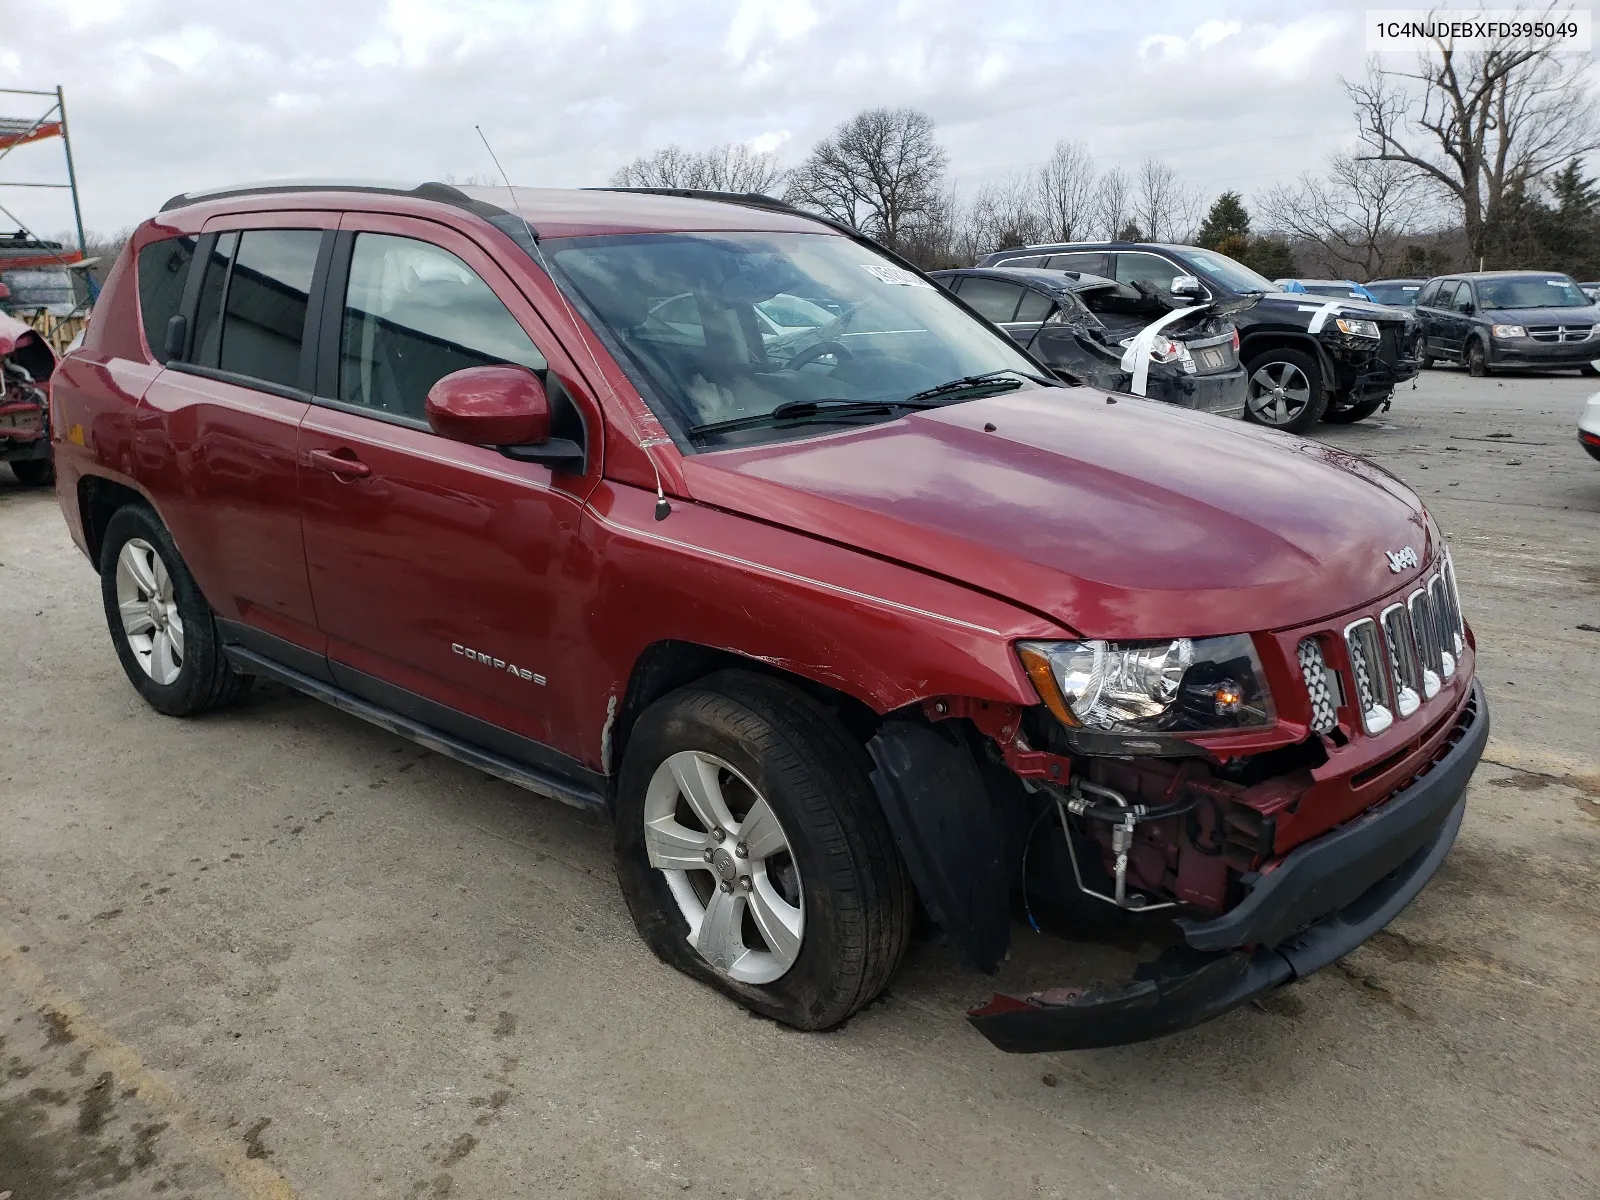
1404, 665
1322, 684
1560, 333
1374, 691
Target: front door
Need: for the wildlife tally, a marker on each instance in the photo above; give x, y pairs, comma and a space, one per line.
440, 571
221, 464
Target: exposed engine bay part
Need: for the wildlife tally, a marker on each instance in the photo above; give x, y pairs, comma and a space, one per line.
1100, 803
26, 364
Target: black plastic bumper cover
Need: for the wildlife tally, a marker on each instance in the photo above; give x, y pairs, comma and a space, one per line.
1324, 900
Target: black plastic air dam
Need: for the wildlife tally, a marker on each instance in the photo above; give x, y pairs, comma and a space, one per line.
1187, 986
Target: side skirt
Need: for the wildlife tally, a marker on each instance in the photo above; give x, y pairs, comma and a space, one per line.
545, 783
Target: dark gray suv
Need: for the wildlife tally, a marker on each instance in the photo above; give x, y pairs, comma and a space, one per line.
1529, 319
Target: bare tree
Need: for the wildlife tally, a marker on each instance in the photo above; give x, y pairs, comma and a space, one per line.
882, 172
1006, 213
730, 167
1112, 204
1483, 126
1065, 187
1356, 215
1165, 207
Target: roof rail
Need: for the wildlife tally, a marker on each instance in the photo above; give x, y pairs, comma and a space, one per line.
771, 204
441, 192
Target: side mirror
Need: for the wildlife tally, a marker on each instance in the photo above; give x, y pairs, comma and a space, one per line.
176, 339
1185, 285
504, 406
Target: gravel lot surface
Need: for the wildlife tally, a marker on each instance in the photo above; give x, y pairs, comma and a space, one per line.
279, 953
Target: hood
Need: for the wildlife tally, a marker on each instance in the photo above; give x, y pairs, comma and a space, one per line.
1541, 316
1354, 308
1130, 519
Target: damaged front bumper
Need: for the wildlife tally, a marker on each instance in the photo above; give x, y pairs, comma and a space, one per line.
1319, 903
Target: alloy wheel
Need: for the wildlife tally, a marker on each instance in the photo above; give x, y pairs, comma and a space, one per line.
149, 611
728, 864
1278, 393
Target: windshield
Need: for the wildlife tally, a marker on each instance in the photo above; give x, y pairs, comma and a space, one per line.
728, 326
1395, 293
1532, 292
1222, 271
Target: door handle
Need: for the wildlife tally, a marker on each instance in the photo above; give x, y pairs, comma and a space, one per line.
342, 463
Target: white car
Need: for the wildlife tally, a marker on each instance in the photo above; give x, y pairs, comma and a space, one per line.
1589, 426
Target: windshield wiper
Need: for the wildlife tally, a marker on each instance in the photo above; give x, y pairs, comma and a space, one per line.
988, 379
804, 411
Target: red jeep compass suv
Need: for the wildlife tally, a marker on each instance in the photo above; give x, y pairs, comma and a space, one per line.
716, 518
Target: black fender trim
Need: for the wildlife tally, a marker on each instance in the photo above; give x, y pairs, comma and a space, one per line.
952, 833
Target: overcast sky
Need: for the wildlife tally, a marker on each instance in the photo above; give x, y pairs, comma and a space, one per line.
170, 95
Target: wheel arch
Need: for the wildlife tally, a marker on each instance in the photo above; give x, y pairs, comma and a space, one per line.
669, 664
1254, 344
99, 499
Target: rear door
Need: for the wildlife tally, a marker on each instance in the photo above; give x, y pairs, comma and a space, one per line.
220, 460
440, 571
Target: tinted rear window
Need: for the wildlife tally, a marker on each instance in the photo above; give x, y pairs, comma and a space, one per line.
163, 273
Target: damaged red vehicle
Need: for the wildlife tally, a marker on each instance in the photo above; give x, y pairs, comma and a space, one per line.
26, 364
717, 519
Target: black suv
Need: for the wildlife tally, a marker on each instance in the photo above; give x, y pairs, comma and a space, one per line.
1509, 319
1308, 359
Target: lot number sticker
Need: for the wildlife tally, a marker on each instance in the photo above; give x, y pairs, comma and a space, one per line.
894, 275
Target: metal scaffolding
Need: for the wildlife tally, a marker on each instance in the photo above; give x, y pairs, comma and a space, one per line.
19, 131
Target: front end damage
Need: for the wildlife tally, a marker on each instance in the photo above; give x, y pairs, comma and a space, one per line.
26, 364
1271, 862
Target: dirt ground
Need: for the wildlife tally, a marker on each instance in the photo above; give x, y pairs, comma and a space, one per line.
278, 953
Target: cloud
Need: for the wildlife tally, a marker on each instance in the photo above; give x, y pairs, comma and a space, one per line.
170, 95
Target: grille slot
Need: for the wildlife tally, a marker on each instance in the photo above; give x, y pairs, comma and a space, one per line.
1425, 631
1404, 664
1322, 684
1374, 690
1455, 629
1559, 333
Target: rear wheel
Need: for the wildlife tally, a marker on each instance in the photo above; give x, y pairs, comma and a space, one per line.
164, 631
34, 472
753, 854
1477, 359
1349, 414
1285, 391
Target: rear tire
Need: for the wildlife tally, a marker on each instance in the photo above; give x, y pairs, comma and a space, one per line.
1284, 390
164, 631
849, 900
1589, 369
1477, 359
35, 472
1427, 361
1351, 413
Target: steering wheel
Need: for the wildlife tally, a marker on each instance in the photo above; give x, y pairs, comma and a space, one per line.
819, 350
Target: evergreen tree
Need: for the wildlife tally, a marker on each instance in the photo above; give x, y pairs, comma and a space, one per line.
1228, 221
1576, 198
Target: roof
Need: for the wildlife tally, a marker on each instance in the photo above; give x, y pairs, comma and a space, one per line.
1506, 275
1056, 281
552, 212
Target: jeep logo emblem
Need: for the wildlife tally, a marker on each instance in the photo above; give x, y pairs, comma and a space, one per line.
1402, 558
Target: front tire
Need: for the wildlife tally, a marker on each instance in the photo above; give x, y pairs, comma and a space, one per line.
801, 909
164, 631
1285, 391
34, 472
1477, 359
1351, 413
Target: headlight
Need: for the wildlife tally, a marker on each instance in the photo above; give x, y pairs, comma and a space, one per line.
1357, 328
1510, 331
1149, 694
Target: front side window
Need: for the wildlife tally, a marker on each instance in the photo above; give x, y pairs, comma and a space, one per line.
264, 318
1550, 291
1150, 268
414, 313
163, 274
692, 314
1464, 297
